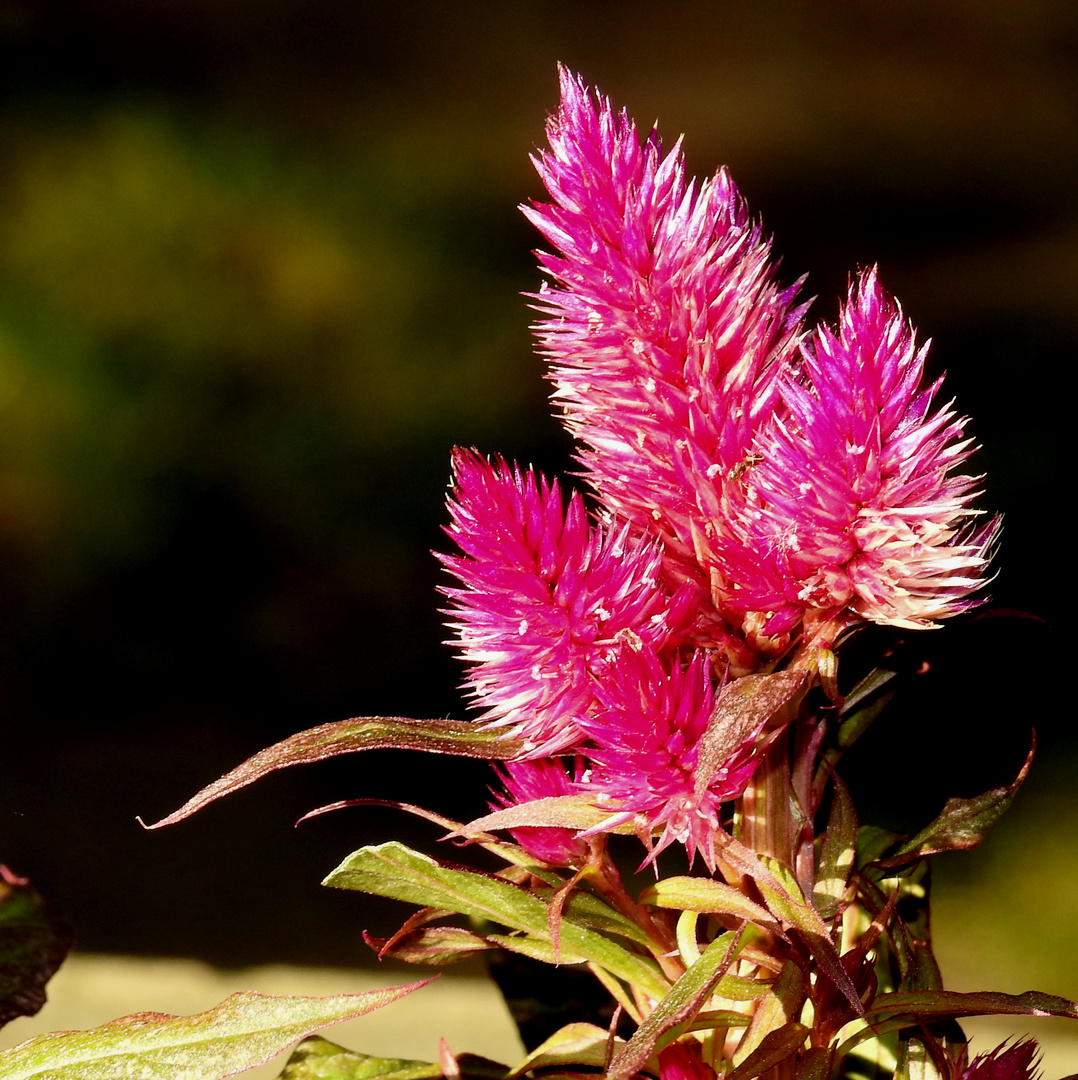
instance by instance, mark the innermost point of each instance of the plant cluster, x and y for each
(660, 662)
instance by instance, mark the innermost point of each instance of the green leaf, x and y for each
(553, 811)
(706, 895)
(783, 896)
(814, 1064)
(319, 1059)
(776, 1047)
(685, 999)
(962, 824)
(855, 699)
(460, 737)
(574, 1044)
(859, 709)
(34, 939)
(776, 1009)
(433, 945)
(709, 1019)
(245, 1030)
(940, 1004)
(396, 871)
(872, 842)
(535, 948)
(586, 909)
(838, 849)
(744, 707)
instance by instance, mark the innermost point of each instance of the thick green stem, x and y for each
(766, 821)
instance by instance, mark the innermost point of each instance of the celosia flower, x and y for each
(541, 779)
(1017, 1062)
(666, 331)
(853, 510)
(647, 736)
(816, 488)
(548, 600)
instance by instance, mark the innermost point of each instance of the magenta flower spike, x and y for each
(646, 738)
(854, 511)
(549, 600)
(665, 330)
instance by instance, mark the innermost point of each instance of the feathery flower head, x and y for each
(664, 327)
(549, 600)
(799, 485)
(647, 735)
(543, 778)
(853, 511)
(1017, 1062)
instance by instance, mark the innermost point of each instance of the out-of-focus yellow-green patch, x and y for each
(186, 302)
(1005, 918)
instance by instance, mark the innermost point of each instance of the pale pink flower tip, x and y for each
(1005, 1062)
(647, 742)
(548, 600)
(854, 510)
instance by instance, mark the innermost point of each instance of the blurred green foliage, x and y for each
(189, 300)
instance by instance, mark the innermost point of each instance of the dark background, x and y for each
(260, 267)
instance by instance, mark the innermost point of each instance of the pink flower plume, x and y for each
(665, 331)
(548, 600)
(854, 509)
(647, 736)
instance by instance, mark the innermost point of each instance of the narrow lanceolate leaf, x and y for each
(574, 1044)
(814, 1064)
(776, 1009)
(536, 948)
(685, 999)
(348, 737)
(859, 709)
(436, 945)
(396, 871)
(776, 1047)
(743, 709)
(962, 824)
(705, 895)
(943, 1004)
(319, 1059)
(783, 896)
(553, 811)
(34, 939)
(245, 1030)
(838, 849)
(588, 910)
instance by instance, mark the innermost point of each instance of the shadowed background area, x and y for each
(260, 269)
